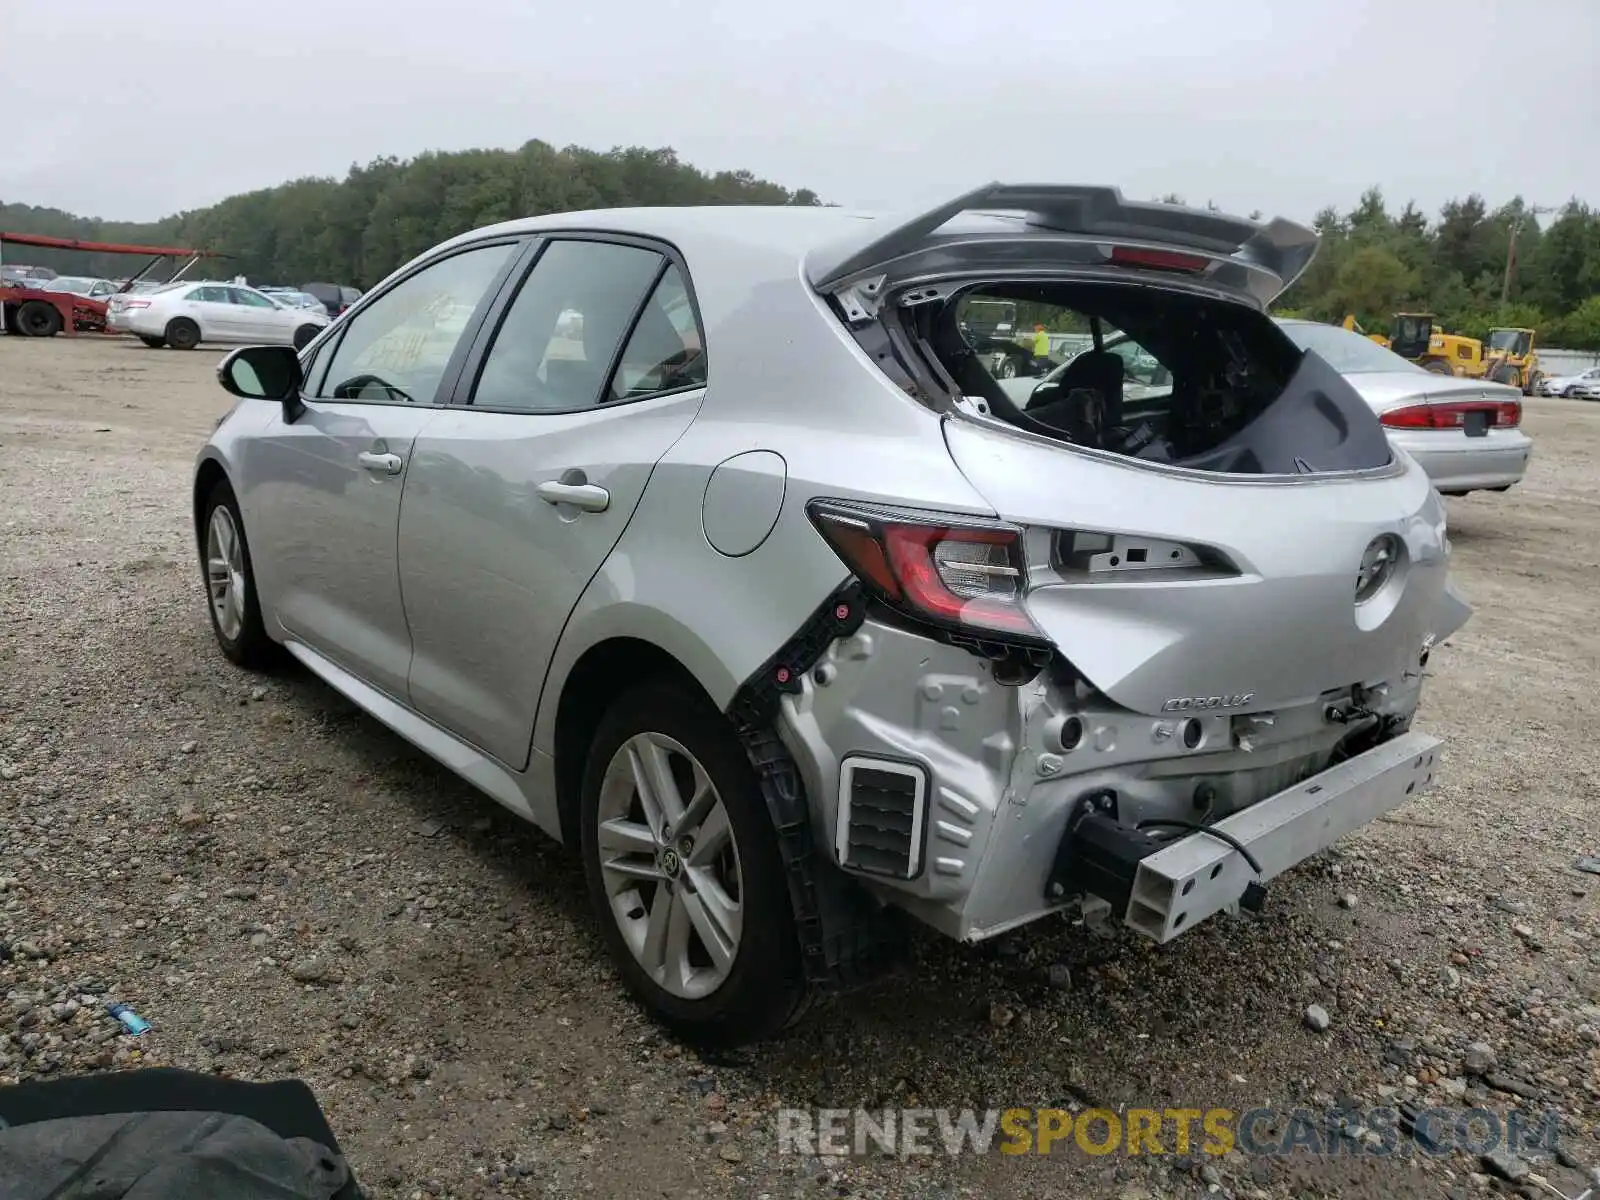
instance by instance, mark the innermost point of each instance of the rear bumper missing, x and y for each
(1171, 889)
(973, 792)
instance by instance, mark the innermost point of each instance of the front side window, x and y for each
(554, 348)
(398, 347)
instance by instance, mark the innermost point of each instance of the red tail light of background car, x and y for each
(1502, 414)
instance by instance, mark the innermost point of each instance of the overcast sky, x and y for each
(133, 109)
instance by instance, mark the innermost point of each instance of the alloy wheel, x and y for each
(671, 867)
(225, 572)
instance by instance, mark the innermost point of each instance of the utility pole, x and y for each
(1511, 250)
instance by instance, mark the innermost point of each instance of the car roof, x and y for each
(728, 248)
(793, 229)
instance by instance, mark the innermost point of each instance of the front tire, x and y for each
(304, 336)
(182, 334)
(1437, 366)
(1507, 376)
(1535, 383)
(229, 578)
(154, 343)
(684, 870)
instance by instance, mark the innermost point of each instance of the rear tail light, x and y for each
(957, 573)
(1502, 414)
(136, 304)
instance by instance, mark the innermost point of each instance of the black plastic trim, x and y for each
(847, 938)
(1098, 856)
(755, 704)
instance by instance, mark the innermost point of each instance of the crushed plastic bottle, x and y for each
(131, 1021)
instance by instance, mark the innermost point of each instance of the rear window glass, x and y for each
(1347, 352)
(1166, 376)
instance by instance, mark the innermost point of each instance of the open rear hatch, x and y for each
(1244, 538)
(1032, 227)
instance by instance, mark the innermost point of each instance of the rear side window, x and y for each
(396, 350)
(554, 348)
(665, 350)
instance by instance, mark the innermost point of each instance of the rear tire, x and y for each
(304, 336)
(154, 343)
(38, 319)
(182, 334)
(230, 582)
(651, 889)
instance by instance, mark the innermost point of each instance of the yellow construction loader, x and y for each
(1510, 359)
(1415, 336)
(1354, 326)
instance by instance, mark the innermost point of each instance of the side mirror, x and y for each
(264, 373)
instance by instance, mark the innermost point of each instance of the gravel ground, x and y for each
(283, 888)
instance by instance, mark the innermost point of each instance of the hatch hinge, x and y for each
(861, 300)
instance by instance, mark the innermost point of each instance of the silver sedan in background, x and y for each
(1466, 433)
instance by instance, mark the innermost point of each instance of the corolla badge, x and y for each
(1193, 703)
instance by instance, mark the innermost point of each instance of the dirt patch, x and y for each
(283, 888)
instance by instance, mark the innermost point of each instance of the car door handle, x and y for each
(386, 464)
(588, 496)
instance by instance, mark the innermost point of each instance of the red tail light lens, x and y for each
(1501, 414)
(953, 572)
(136, 304)
(1156, 260)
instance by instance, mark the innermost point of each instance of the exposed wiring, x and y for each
(1195, 827)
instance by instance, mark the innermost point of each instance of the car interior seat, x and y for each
(1098, 370)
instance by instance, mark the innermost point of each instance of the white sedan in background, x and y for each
(1570, 385)
(182, 315)
(81, 285)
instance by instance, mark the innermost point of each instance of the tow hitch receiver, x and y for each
(1097, 856)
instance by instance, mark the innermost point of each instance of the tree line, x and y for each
(1374, 263)
(355, 230)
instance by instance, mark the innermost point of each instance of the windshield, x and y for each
(70, 283)
(1512, 341)
(1346, 352)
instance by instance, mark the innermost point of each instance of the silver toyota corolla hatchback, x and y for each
(703, 539)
